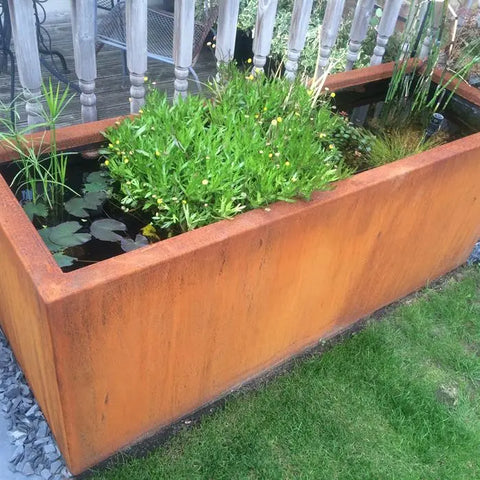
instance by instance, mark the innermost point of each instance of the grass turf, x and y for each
(399, 400)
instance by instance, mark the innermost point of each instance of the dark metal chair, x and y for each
(111, 31)
(6, 53)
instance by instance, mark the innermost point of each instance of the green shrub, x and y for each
(255, 141)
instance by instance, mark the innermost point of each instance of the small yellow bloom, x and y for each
(145, 78)
(310, 92)
(184, 202)
(258, 69)
(322, 135)
(250, 77)
(110, 145)
(140, 111)
(129, 182)
(333, 94)
(159, 201)
(130, 152)
(287, 163)
(249, 60)
(264, 109)
(294, 179)
(157, 153)
(205, 182)
(207, 157)
(279, 119)
(331, 146)
(152, 128)
(297, 114)
(257, 115)
(270, 155)
(274, 122)
(126, 160)
(117, 141)
(107, 163)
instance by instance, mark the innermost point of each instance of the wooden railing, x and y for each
(83, 29)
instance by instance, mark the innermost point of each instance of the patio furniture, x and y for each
(111, 31)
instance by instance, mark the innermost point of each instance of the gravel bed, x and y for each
(35, 450)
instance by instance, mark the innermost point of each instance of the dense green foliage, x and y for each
(400, 400)
(255, 141)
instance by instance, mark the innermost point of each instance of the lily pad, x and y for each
(105, 230)
(64, 260)
(65, 235)
(45, 234)
(78, 206)
(128, 244)
(35, 209)
(96, 182)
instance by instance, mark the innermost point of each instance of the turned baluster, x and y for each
(386, 29)
(226, 31)
(302, 10)
(184, 17)
(358, 32)
(330, 26)
(28, 60)
(136, 23)
(83, 32)
(264, 24)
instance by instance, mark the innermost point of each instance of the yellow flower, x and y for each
(130, 152)
(250, 77)
(117, 141)
(152, 128)
(140, 111)
(310, 92)
(145, 78)
(125, 160)
(287, 164)
(322, 135)
(294, 179)
(205, 182)
(106, 163)
(157, 153)
(257, 115)
(207, 157)
(249, 60)
(159, 201)
(331, 146)
(264, 109)
(333, 94)
(274, 122)
(279, 119)
(184, 202)
(110, 145)
(270, 155)
(297, 114)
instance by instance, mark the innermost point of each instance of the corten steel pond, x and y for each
(119, 349)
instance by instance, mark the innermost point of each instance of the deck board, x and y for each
(112, 87)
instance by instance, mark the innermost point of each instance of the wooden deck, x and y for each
(112, 88)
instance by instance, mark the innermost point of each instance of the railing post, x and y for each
(385, 29)
(330, 26)
(136, 22)
(358, 32)
(184, 16)
(83, 32)
(28, 60)
(262, 42)
(433, 29)
(226, 31)
(302, 10)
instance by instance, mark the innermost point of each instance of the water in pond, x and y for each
(90, 226)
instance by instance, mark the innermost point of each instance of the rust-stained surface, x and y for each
(116, 350)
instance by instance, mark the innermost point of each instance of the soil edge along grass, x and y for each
(399, 400)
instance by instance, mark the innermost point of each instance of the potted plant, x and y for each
(123, 347)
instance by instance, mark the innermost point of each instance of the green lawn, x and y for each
(400, 400)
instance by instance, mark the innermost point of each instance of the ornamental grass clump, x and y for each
(253, 142)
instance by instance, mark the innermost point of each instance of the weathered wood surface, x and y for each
(358, 31)
(184, 17)
(83, 33)
(330, 27)
(112, 88)
(237, 297)
(226, 31)
(302, 10)
(27, 57)
(264, 24)
(136, 40)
